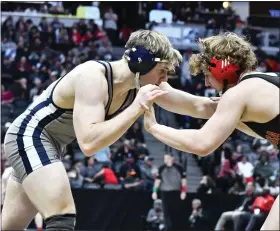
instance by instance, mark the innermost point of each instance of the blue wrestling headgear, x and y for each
(141, 61)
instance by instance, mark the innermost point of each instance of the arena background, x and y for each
(41, 41)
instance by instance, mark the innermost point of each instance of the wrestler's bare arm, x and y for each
(183, 103)
(93, 133)
(245, 129)
(217, 129)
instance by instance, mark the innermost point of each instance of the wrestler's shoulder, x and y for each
(89, 67)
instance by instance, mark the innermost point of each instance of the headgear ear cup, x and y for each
(141, 61)
(224, 70)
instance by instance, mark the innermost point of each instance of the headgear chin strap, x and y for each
(140, 62)
(137, 80)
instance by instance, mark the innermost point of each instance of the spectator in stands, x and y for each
(123, 150)
(55, 23)
(171, 177)
(36, 90)
(105, 176)
(7, 95)
(104, 48)
(130, 174)
(135, 133)
(43, 25)
(245, 169)
(148, 172)
(103, 156)
(82, 27)
(207, 185)
(140, 150)
(228, 170)
(125, 32)
(91, 168)
(155, 217)
(23, 68)
(197, 219)
(263, 168)
(110, 24)
(258, 212)
(238, 187)
(236, 215)
(76, 179)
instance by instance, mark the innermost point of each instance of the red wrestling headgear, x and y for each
(223, 70)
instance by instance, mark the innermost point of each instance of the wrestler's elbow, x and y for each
(197, 148)
(89, 146)
(90, 149)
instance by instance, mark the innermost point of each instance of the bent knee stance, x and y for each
(63, 222)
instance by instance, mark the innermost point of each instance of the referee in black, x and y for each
(172, 183)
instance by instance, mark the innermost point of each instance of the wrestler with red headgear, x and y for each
(249, 102)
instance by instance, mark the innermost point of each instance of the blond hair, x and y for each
(157, 43)
(230, 46)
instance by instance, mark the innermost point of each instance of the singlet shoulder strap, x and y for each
(275, 80)
(109, 77)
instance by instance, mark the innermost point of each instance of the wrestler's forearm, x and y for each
(184, 140)
(184, 103)
(103, 134)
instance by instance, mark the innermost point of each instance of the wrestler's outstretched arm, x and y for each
(183, 103)
(93, 133)
(205, 140)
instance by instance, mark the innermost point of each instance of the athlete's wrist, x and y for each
(138, 108)
(153, 128)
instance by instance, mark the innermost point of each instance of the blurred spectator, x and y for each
(228, 170)
(155, 217)
(90, 169)
(36, 90)
(103, 156)
(236, 215)
(23, 68)
(238, 187)
(43, 25)
(245, 169)
(148, 172)
(258, 212)
(197, 219)
(76, 179)
(263, 167)
(6, 95)
(207, 185)
(140, 150)
(125, 32)
(110, 24)
(130, 174)
(105, 176)
(135, 133)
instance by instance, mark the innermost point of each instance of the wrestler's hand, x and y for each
(149, 118)
(147, 95)
(215, 99)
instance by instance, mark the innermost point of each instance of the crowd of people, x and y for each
(34, 56)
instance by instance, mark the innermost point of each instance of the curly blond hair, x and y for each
(156, 42)
(224, 46)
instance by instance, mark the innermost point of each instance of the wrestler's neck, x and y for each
(249, 73)
(241, 77)
(123, 78)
